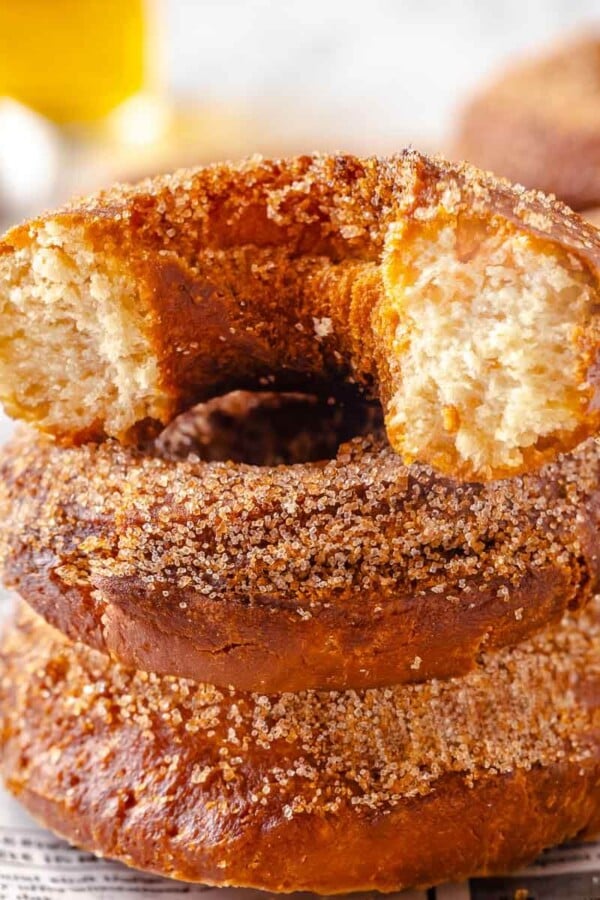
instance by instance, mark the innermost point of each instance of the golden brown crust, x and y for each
(538, 123)
(322, 792)
(355, 572)
(271, 270)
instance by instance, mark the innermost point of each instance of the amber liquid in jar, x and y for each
(72, 60)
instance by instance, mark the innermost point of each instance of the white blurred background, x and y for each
(228, 78)
(362, 71)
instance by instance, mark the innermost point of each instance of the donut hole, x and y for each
(269, 429)
(486, 362)
(65, 313)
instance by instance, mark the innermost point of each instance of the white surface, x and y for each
(383, 66)
(6, 427)
(30, 159)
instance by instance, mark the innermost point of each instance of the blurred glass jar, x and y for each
(73, 60)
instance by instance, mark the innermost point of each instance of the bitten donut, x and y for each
(351, 572)
(326, 792)
(538, 123)
(469, 308)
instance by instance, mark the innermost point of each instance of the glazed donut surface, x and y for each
(328, 792)
(351, 572)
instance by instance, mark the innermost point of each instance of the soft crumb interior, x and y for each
(485, 325)
(73, 348)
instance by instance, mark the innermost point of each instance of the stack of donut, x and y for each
(318, 633)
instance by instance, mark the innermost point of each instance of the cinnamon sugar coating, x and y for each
(352, 572)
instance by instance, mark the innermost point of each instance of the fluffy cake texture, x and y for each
(74, 319)
(485, 323)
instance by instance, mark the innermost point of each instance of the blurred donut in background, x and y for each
(538, 123)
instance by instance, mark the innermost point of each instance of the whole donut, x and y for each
(469, 308)
(538, 122)
(351, 572)
(326, 792)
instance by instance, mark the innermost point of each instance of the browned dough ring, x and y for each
(466, 306)
(349, 573)
(319, 792)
